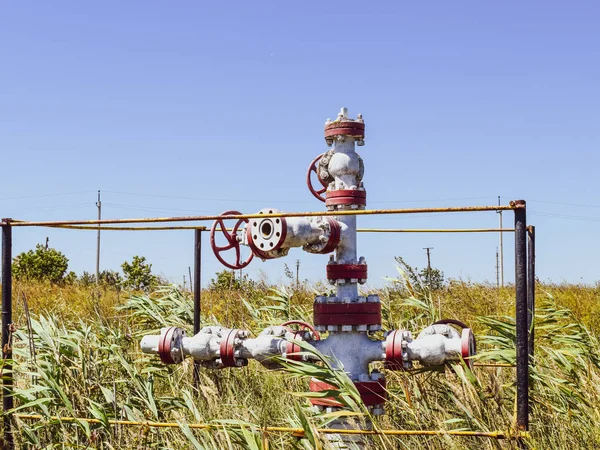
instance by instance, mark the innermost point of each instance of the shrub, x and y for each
(138, 274)
(41, 264)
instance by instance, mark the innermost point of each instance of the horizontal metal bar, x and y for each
(436, 230)
(494, 365)
(89, 227)
(511, 206)
(360, 230)
(295, 431)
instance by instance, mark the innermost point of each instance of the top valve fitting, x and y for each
(344, 126)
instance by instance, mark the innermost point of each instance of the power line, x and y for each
(565, 216)
(46, 195)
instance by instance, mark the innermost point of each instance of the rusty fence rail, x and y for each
(363, 212)
(295, 431)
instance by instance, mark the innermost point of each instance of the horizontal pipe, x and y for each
(360, 230)
(295, 431)
(494, 365)
(435, 230)
(364, 212)
(85, 227)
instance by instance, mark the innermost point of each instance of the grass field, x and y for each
(80, 358)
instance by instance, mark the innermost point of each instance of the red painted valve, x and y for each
(292, 348)
(303, 326)
(468, 343)
(232, 242)
(313, 167)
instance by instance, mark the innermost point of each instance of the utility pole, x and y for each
(297, 274)
(428, 250)
(501, 249)
(47, 242)
(497, 270)
(99, 205)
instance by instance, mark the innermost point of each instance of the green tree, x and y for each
(111, 278)
(226, 280)
(432, 279)
(138, 274)
(41, 264)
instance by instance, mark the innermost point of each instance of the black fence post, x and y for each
(197, 295)
(7, 370)
(521, 317)
(531, 290)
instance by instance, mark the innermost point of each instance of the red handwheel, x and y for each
(313, 168)
(232, 241)
(303, 326)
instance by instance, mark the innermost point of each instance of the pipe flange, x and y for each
(332, 236)
(347, 314)
(347, 272)
(229, 342)
(347, 127)
(372, 392)
(346, 197)
(292, 348)
(396, 343)
(468, 346)
(170, 349)
(266, 236)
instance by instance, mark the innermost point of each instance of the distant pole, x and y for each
(184, 282)
(99, 205)
(501, 249)
(428, 250)
(191, 279)
(47, 242)
(497, 270)
(297, 274)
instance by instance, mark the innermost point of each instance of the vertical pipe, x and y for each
(501, 249)
(521, 315)
(197, 295)
(531, 290)
(99, 205)
(7, 379)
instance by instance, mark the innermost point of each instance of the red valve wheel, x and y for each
(303, 326)
(232, 242)
(318, 194)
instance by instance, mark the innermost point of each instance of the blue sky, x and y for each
(180, 108)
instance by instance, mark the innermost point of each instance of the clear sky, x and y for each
(181, 108)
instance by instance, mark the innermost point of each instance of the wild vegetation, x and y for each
(78, 356)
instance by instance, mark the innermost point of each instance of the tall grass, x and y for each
(88, 364)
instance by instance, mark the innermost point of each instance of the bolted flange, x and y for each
(266, 236)
(228, 346)
(170, 349)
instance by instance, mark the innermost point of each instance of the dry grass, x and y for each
(89, 365)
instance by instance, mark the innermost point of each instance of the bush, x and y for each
(41, 264)
(138, 274)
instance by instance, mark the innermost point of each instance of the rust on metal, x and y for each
(347, 313)
(335, 236)
(346, 197)
(347, 271)
(371, 392)
(345, 128)
(364, 212)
